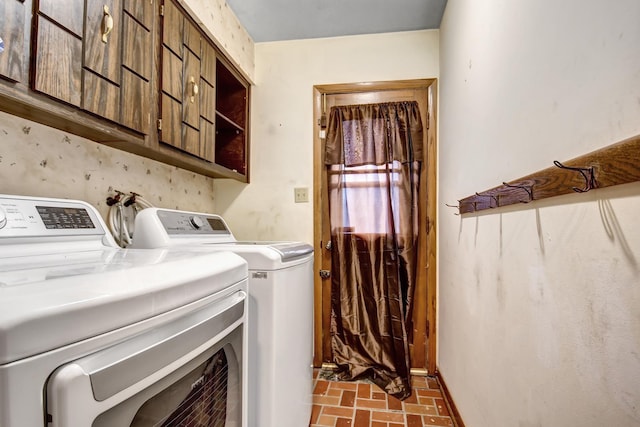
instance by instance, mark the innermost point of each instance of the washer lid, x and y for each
(288, 250)
(267, 256)
(50, 301)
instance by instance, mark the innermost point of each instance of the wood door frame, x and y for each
(428, 244)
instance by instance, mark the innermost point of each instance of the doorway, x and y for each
(422, 347)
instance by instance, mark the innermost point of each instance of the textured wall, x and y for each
(282, 121)
(36, 160)
(221, 24)
(539, 304)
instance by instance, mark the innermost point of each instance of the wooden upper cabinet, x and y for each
(204, 105)
(12, 21)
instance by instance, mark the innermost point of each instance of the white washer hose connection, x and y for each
(122, 214)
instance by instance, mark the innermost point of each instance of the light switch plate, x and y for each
(301, 195)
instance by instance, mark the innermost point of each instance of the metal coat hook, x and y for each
(529, 190)
(453, 206)
(495, 198)
(587, 174)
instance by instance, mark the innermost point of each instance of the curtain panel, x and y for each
(396, 127)
(373, 156)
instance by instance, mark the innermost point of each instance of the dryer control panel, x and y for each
(41, 217)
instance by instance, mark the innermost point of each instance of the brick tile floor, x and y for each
(361, 404)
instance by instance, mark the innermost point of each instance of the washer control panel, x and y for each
(187, 223)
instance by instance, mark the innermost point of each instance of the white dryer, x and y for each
(280, 348)
(95, 335)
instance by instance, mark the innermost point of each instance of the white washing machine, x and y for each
(280, 309)
(95, 335)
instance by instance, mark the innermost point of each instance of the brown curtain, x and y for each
(373, 158)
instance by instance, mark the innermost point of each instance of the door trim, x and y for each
(428, 244)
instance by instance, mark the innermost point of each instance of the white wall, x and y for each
(539, 304)
(282, 121)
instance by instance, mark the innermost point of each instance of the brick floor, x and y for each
(361, 404)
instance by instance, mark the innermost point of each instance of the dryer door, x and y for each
(187, 372)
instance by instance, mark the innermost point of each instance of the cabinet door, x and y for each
(58, 49)
(12, 13)
(101, 75)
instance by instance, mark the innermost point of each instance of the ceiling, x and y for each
(275, 20)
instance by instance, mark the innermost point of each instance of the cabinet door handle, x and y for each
(107, 23)
(194, 88)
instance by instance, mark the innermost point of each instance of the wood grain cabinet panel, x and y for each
(192, 38)
(207, 101)
(208, 63)
(103, 27)
(142, 11)
(172, 28)
(137, 45)
(69, 14)
(58, 62)
(171, 74)
(207, 139)
(136, 104)
(191, 88)
(12, 19)
(171, 129)
(191, 140)
(101, 97)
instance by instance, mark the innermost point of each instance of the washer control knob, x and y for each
(196, 222)
(3, 218)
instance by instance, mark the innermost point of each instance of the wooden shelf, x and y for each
(613, 165)
(226, 123)
(232, 118)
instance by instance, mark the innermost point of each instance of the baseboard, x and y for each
(453, 410)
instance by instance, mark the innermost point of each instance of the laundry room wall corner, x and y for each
(37, 160)
(282, 121)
